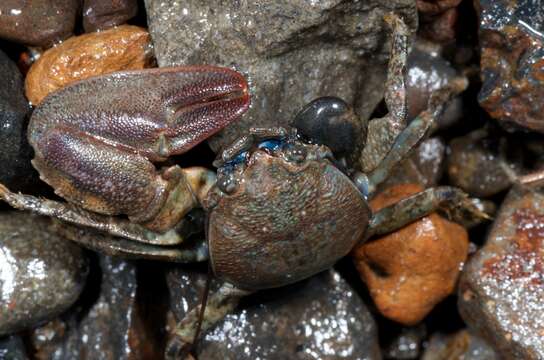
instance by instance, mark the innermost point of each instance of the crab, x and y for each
(284, 205)
(97, 143)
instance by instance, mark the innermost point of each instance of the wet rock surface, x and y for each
(37, 22)
(483, 165)
(116, 325)
(438, 18)
(512, 62)
(41, 275)
(424, 167)
(427, 72)
(123, 48)
(461, 345)
(12, 348)
(104, 14)
(15, 153)
(502, 287)
(406, 345)
(292, 52)
(297, 50)
(321, 317)
(412, 269)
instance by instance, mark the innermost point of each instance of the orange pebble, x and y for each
(126, 47)
(412, 269)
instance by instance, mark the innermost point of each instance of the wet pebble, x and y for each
(41, 274)
(502, 286)
(113, 321)
(438, 19)
(12, 348)
(292, 51)
(318, 318)
(104, 14)
(126, 47)
(512, 62)
(427, 72)
(406, 345)
(424, 167)
(15, 153)
(460, 345)
(412, 269)
(483, 165)
(37, 22)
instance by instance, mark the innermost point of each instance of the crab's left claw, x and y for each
(156, 112)
(95, 141)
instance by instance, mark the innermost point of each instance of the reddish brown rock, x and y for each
(409, 271)
(512, 62)
(123, 48)
(37, 22)
(104, 14)
(501, 290)
(438, 18)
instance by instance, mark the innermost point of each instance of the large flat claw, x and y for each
(95, 140)
(157, 112)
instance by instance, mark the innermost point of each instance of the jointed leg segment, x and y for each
(78, 216)
(218, 306)
(410, 137)
(453, 201)
(383, 131)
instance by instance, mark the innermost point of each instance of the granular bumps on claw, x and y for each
(410, 270)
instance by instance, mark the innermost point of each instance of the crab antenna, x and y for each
(203, 302)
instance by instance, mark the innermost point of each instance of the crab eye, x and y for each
(329, 121)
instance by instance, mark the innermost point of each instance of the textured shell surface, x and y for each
(285, 222)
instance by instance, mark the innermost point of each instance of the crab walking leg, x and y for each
(382, 132)
(117, 246)
(219, 304)
(407, 140)
(395, 85)
(453, 201)
(78, 216)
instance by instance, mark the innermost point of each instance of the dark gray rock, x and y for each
(38, 22)
(15, 153)
(12, 348)
(41, 274)
(461, 345)
(113, 326)
(502, 286)
(319, 318)
(428, 72)
(291, 51)
(424, 167)
(104, 14)
(407, 345)
(482, 164)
